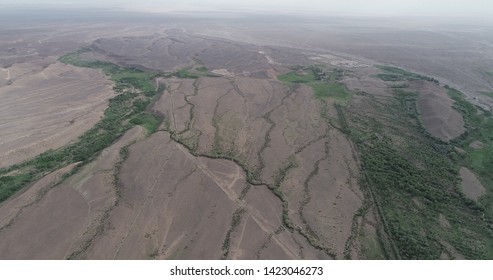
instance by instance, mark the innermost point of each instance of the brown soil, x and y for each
(364, 81)
(437, 112)
(193, 200)
(471, 186)
(476, 144)
(78, 205)
(266, 125)
(442, 220)
(334, 196)
(10, 209)
(177, 206)
(49, 108)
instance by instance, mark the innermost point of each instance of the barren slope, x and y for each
(30, 223)
(177, 206)
(471, 186)
(48, 108)
(243, 166)
(437, 112)
(279, 135)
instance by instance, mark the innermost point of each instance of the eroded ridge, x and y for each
(267, 128)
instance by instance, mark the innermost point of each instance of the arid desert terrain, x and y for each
(245, 137)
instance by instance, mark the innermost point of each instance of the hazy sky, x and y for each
(456, 8)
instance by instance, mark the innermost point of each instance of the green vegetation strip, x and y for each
(200, 71)
(394, 74)
(235, 222)
(135, 91)
(479, 127)
(414, 178)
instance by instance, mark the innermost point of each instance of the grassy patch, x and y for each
(332, 90)
(399, 86)
(149, 121)
(300, 76)
(9, 184)
(190, 73)
(202, 69)
(324, 83)
(135, 78)
(371, 249)
(395, 74)
(479, 127)
(391, 77)
(479, 123)
(335, 75)
(135, 90)
(185, 74)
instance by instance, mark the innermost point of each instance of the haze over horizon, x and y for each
(433, 8)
